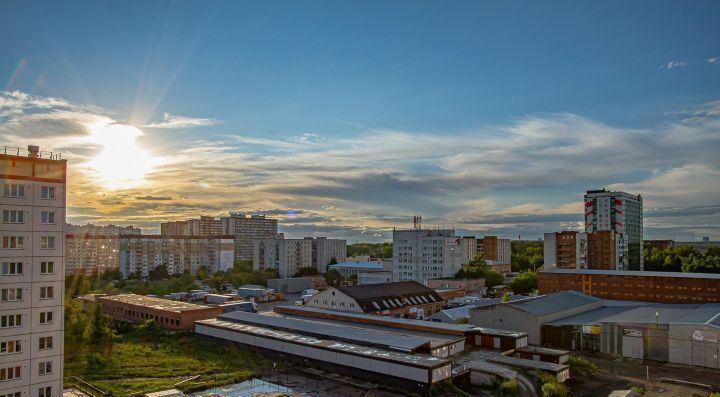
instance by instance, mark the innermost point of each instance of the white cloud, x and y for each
(673, 64)
(173, 121)
(714, 60)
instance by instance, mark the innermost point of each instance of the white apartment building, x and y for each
(287, 256)
(421, 254)
(93, 249)
(139, 254)
(31, 272)
(622, 213)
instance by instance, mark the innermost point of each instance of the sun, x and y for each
(120, 163)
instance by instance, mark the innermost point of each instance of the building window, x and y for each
(13, 216)
(11, 294)
(45, 391)
(11, 190)
(16, 394)
(13, 242)
(47, 267)
(10, 347)
(12, 268)
(11, 320)
(48, 193)
(47, 292)
(10, 373)
(45, 343)
(47, 217)
(44, 367)
(46, 317)
(47, 242)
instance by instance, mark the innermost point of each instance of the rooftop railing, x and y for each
(15, 151)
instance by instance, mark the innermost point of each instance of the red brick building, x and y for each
(168, 314)
(660, 287)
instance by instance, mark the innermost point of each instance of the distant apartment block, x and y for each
(245, 229)
(421, 254)
(92, 249)
(621, 213)
(469, 247)
(326, 250)
(205, 226)
(32, 272)
(497, 253)
(287, 256)
(139, 254)
(565, 250)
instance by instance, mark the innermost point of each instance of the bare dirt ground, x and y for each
(622, 374)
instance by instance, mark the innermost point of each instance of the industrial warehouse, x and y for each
(281, 336)
(675, 333)
(412, 353)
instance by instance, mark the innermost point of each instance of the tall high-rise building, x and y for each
(93, 249)
(325, 250)
(421, 254)
(249, 228)
(32, 272)
(621, 213)
(565, 250)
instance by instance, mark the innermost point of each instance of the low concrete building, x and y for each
(347, 269)
(294, 285)
(408, 299)
(676, 333)
(374, 278)
(528, 315)
(465, 284)
(168, 314)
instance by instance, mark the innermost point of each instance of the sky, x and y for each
(344, 119)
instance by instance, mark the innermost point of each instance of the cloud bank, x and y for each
(522, 178)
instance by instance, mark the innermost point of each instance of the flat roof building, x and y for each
(168, 314)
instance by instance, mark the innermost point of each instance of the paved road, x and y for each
(526, 388)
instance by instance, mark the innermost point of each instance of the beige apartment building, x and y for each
(92, 249)
(31, 272)
(140, 254)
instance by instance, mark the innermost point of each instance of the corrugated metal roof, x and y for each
(552, 303)
(697, 314)
(342, 332)
(363, 265)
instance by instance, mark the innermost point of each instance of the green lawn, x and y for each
(137, 364)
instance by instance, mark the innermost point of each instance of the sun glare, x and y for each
(120, 163)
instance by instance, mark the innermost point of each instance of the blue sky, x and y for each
(490, 116)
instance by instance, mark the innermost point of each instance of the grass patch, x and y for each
(582, 366)
(140, 363)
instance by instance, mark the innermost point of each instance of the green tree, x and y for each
(160, 272)
(333, 277)
(526, 255)
(201, 272)
(306, 271)
(333, 261)
(525, 283)
(477, 268)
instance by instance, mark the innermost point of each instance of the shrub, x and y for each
(638, 389)
(554, 389)
(509, 387)
(582, 365)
